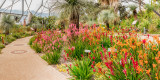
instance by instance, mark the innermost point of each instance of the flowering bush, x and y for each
(49, 42)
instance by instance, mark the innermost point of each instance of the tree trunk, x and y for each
(107, 24)
(74, 19)
(135, 14)
(35, 30)
(7, 32)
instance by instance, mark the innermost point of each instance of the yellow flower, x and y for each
(98, 65)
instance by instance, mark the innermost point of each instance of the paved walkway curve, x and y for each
(19, 62)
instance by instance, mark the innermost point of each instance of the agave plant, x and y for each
(6, 23)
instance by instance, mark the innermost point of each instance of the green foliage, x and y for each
(52, 58)
(6, 23)
(16, 35)
(132, 7)
(31, 40)
(149, 8)
(145, 24)
(107, 16)
(82, 71)
(79, 50)
(158, 26)
(37, 48)
(2, 46)
(9, 39)
(123, 12)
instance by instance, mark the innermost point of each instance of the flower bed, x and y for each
(101, 54)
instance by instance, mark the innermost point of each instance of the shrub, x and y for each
(16, 35)
(2, 46)
(158, 26)
(52, 58)
(81, 70)
(31, 40)
(9, 38)
(37, 48)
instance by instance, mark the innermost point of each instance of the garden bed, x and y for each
(109, 56)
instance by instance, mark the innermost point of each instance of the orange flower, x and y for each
(141, 62)
(148, 71)
(156, 58)
(140, 52)
(139, 44)
(156, 76)
(158, 61)
(139, 69)
(146, 62)
(154, 47)
(154, 65)
(159, 54)
(133, 47)
(145, 55)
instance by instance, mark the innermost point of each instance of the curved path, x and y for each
(19, 62)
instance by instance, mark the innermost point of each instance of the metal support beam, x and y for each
(39, 7)
(2, 4)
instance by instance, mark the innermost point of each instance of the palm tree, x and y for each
(73, 9)
(107, 16)
(6, 23)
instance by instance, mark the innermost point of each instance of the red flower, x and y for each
(109, 54)
(144, 41)
(67, 55)
(93, 58)
(92, 66)
(82, 55)
(93, 62)
(94, 70)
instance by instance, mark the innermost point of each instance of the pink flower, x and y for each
(73, 48)
(64, 38)
(53, 47)
(124, 71)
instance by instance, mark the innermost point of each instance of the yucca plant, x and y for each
(107, 16)
(6, 23)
